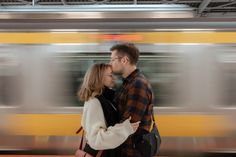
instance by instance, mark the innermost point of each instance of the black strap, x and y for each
(82, 137)
(78, 131)
(153, 119)
(87, 148)
(81, 141)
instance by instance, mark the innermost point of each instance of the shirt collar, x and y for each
(131, 76)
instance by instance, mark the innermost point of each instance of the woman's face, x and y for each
(108, 78)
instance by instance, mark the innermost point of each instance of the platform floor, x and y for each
(43, 156)
(37, 156)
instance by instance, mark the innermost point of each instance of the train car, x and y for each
(190, 64)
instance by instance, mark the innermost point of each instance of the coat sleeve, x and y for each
(98, 135)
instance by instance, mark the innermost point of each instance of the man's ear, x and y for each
(125, 59)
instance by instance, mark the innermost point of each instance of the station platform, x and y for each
(43, 156)
(37, 156)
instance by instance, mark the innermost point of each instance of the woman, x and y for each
(100, 117)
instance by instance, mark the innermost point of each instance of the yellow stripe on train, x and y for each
(67, 124)
(137, 37)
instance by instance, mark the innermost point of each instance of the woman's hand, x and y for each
(134, 125)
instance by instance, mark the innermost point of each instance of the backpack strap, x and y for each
(82, 137)
(99, 153)
(78, 131)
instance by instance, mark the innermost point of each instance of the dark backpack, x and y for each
(149, 143)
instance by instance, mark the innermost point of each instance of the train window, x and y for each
(228, 75)
(75, 67)
(162, 72)
(9, 93)
(160, 69)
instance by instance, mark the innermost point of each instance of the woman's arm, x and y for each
(98, 135)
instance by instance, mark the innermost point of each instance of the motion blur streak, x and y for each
(193, 74)
(138, 37)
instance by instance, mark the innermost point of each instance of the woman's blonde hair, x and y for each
(93, 82)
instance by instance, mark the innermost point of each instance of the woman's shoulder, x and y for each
(92, 102)
(93, 105)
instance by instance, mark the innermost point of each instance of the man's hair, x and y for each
(92, 83)
(127, 49)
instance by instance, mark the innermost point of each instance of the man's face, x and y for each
(117, 66)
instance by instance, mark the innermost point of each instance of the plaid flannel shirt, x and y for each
(134, 98)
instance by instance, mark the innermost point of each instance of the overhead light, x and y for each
(105, 11)
(95, 8)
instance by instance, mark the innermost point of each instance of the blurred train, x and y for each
(191, 65)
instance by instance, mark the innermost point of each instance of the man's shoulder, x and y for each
(141, 82)
(141, 79)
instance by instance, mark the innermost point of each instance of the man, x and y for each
(135, 97)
